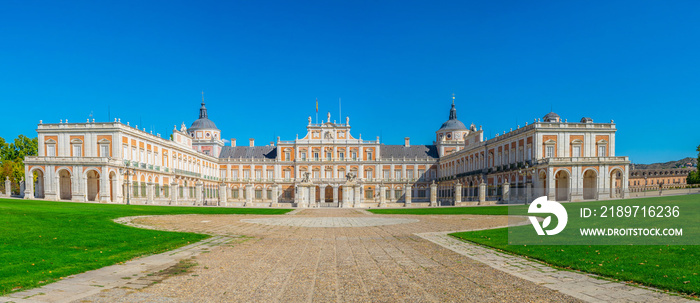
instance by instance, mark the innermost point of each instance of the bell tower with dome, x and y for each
(450, 137)
(206, 137)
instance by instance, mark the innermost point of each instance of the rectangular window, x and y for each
(270, 175)
(550, 151)
(369, 193)
(303, 156)
(328, 156)
(317, 174)
(576, 151)
(157, 190)
(258, 174)
(369, 174)
(601, 151)
(354, 155)
(316, 156)
(142, 156)
(369, 155)
(234, 174)
(125, 152)
(421, 193)
(529, 152)
(246, 174)
(286, 174)
(134, 154)
(409, 174)
(269, 194)
(223, 174)
(329, 174)
(77, 151)
(135, 186)
(51, 150)
(235, 193)
(287, 156)
(398, 193)
(397, 174)
(387, 174)
(342, 156)
(387, 194)
(258, 194)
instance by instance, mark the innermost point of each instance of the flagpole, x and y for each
(340, 111)
(316, 110)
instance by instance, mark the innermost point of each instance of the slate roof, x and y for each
(411, 152)
(247, 152)
(452, 123)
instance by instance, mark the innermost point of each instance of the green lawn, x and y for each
(672, 267)
(42, 241)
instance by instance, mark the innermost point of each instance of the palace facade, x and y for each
(329, 166)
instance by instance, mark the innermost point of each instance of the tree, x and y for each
(694, 176)
(12, 157)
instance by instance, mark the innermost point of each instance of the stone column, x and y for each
(312, 196)
(104, 186)
(346, 196)
(248, 195)
(358, 196)
(382, 196)
(433, 194)
(198, 198)
(458, 193)
(149, 192)
(174, 193)
(506, 192)
(551, 185)
(528, 193)
(482, 192)
(29, 188)
(275, 195)
(223, 194)
(22, 187)
(335, 193)
(408, 195)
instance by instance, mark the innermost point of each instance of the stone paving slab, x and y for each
(587, 287)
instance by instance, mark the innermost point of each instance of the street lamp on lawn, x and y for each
(127, 173)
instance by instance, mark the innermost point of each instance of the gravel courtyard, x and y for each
(331, 255)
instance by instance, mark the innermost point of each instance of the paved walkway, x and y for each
(336, 255)
(582, 286)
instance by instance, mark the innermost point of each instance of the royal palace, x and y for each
(327, 167)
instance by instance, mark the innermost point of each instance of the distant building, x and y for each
(328, 166)
(655, 178)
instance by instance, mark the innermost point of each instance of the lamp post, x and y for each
(528, 173)
(127, 173)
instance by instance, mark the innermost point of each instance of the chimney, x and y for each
(233, 142)
(272, 143)
(406, 142)
(252, 142)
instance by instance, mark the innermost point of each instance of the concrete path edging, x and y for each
(584, 286)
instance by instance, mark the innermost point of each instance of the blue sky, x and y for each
(395, 64)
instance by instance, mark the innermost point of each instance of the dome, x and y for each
(203, 122)
(551, 117)
(452, 123)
